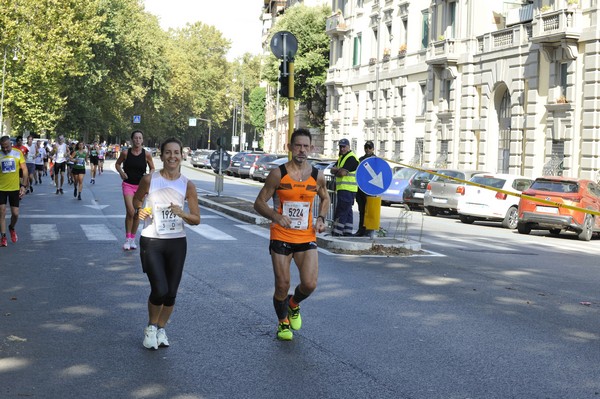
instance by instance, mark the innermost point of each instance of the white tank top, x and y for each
(163, 192)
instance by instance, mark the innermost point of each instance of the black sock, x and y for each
(299, 296)
(281, 308)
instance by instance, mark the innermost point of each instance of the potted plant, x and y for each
(402, 49)
(561, 99)
(441, 37)
(545, 8)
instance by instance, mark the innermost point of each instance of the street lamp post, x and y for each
(209, 128)
(2, 96)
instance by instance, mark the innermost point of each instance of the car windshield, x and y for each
(404, 174)
(489, 181)
(555, 186)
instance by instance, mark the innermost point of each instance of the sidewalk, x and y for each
(385, 246)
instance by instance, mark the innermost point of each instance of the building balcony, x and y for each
(560, 28)
(336, 25)
(554, 27)
(443, 52)
(334, 76)
(505, 38)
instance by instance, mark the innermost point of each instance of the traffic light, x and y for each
(284, 79)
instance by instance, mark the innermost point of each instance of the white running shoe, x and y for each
(150, 341)
(132, 244)
(127, 245)
(161, 338)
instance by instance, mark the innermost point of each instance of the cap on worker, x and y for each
(344, 142)
(369, 144)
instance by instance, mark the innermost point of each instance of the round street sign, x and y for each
(373, 175)
(217, 160)
(277, 44)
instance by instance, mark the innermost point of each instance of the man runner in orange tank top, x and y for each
(293, 187)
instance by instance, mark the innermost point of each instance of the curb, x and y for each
(228, 210)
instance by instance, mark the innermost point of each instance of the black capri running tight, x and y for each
(162, 261)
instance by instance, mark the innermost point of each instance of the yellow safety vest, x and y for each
(347, 182)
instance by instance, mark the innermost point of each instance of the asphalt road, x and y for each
(486, 313)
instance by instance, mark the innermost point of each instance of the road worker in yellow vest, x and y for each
(346, 188)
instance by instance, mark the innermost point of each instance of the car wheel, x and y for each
(588, 228)
(555, 232)
(466, 219)
(523, 228)
(431, 211)
(511, 219)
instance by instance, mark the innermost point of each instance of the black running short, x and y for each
(60, 167)
(94, 160)
(12, 197)
(286, 248)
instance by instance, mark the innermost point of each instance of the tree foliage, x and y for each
(311, 62)
(257, 106)
(85, 68)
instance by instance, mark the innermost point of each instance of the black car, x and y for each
(234, 167)
(415, 190)
(261, 164)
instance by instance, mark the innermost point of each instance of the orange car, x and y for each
(562, 190)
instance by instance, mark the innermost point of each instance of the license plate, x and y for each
(419, 195)
(439, 200)
(546, 209)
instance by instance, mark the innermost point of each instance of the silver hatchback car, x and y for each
(443, 193)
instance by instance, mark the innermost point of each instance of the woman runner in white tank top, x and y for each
(163, 243)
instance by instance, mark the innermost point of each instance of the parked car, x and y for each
(554, 217)
(416, 187)
(442, 193)
(478, 203)
(326, 166)
(395, 192)
(152, 150)
(266, 169)
(261, 163)
(201, 158)
(248, 164)
(234, 166)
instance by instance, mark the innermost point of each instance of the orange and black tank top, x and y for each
(295, 199)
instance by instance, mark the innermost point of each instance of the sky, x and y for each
(238, 20)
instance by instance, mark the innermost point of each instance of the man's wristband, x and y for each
(322, 217)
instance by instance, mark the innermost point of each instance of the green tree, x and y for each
(257, 107)
(311, 62)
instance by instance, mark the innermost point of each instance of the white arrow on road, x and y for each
(96, 206)
(377, 179)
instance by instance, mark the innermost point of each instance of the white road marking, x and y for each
(44, 232)
(211, 233)
(98, 232)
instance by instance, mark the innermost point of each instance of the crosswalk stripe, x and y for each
(211, 233)
(262, 232)
(44, 232)
(98, 232)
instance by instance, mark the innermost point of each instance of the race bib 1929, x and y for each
(165, 221)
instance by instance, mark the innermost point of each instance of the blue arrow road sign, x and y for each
(373, 176)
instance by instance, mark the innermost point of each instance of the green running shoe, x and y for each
(283, 332)
(295, 318)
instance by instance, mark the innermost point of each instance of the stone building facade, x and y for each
(503, 86)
